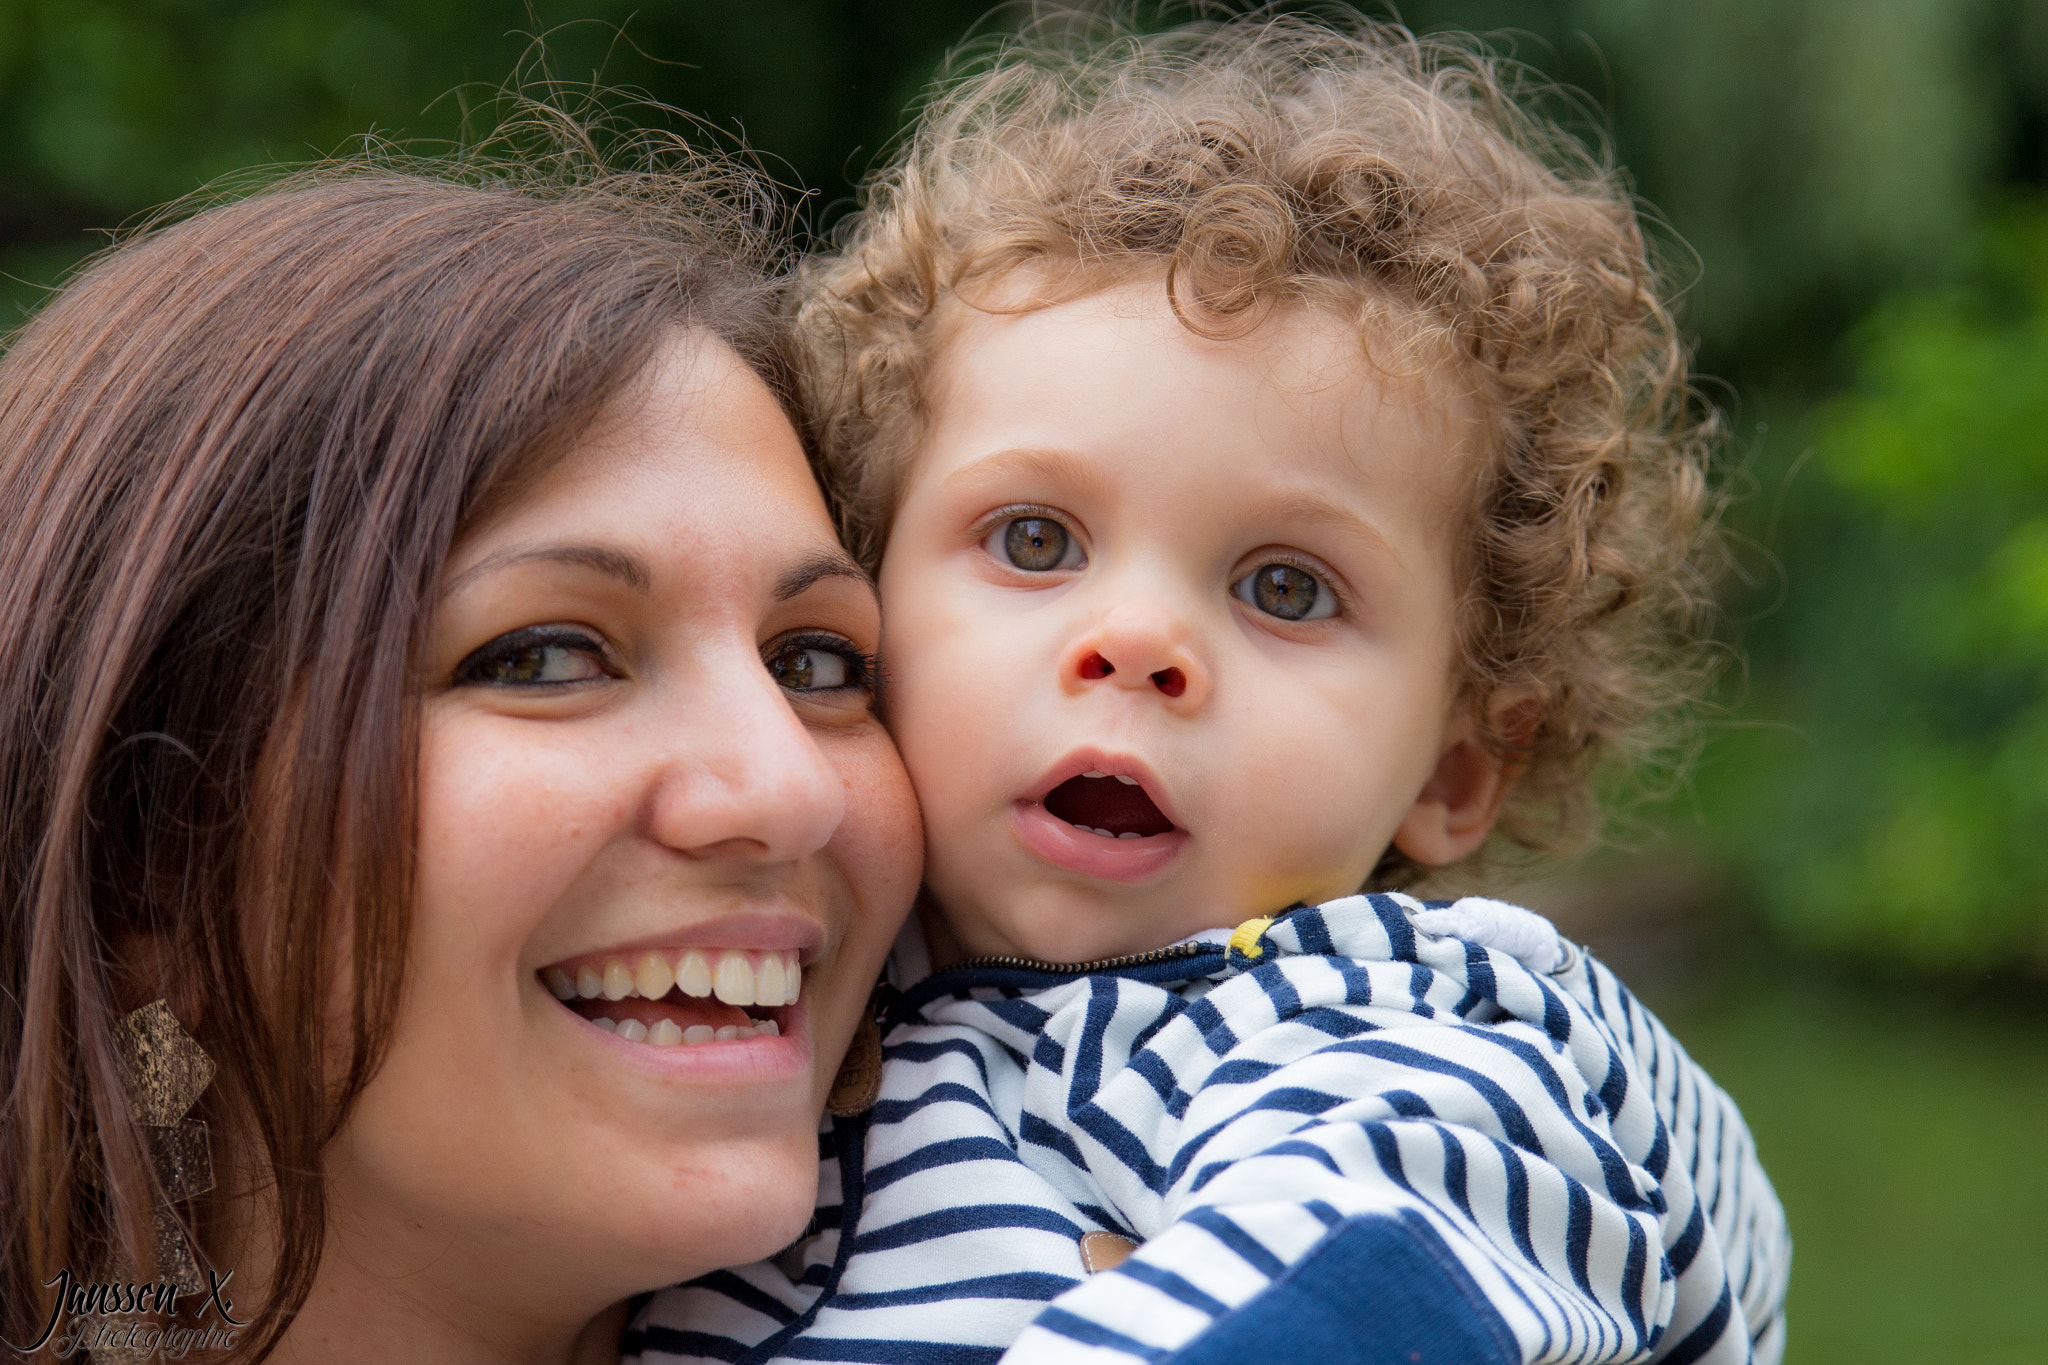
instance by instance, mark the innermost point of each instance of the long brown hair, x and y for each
(233, 456)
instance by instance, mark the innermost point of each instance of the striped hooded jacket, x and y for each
(1354, 1133)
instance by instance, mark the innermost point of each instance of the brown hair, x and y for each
(234, 454)
(1395, 181)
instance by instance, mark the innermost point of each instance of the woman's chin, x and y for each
(729, 1203)
(558, 1237)
(597, 1166)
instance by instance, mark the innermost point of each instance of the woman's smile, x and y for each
(666, 997)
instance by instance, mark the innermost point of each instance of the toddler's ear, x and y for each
(1457, 806)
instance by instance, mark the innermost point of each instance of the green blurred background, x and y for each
(1841, 907)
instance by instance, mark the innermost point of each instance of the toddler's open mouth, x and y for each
(680, 997)
(1115, 807)
(1097, 816)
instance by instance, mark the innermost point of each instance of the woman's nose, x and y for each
(745, 777)
(1139, 647)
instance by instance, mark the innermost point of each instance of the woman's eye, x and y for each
(536, 657)
(1286, 592)
(820, 664)
(1034, 544)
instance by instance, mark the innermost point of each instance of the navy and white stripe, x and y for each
(1355, 1142)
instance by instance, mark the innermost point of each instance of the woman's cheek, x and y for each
(505, 811)
(880, 844)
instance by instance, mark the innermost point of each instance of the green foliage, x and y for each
(111, 107)
(1901, 1132)
(1811, 156)
(1901, 816)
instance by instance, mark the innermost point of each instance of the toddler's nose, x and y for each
(1169, 680)
(1141, 652)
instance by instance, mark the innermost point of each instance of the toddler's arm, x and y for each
(1439, 1156)
(1712, 1144)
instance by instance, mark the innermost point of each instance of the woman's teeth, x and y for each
(666, 1034)
(733, 977)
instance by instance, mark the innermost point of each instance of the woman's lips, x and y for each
(681, 997)
(666, 1024)
(732, 975)
(1091, 854)
(667, 1039)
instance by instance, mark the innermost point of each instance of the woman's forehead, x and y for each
(697, 450)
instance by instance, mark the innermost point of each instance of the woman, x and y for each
(424, 639)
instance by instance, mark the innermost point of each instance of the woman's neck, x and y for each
(360, 1311)
(406, 1295)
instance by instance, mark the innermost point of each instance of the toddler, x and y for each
(1278, 463)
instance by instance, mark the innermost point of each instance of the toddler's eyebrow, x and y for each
(1073, 471)
(1298, 509)
(1049, 463)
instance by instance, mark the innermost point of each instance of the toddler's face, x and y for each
(1169, 624)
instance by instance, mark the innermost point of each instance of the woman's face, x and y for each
(648, 743)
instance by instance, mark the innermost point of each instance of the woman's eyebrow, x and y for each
(814, 568)
(627, 568)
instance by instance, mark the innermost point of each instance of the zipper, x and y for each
(1100, 964)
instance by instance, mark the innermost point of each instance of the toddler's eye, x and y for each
(537, 656)
(1286, 592)
(1034, 544)
(819, 663)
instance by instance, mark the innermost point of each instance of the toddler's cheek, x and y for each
(1320, 839)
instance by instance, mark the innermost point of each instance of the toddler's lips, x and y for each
(1130, 858)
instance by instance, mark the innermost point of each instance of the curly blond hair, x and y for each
(1403, 184)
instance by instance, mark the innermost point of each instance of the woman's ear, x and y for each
(145, 968)
(1458, 805)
